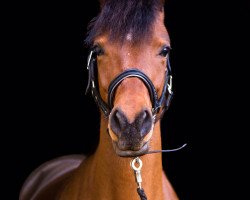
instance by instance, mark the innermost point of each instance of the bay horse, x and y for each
(131, 82)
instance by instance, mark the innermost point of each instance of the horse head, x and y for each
(129, 72)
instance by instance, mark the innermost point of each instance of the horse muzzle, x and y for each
(130, 138)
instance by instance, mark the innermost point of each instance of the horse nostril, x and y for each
(118, 121)
(145, 115)
(144, 122)
(131, 133)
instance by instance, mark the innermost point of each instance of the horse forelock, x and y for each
(120, 18)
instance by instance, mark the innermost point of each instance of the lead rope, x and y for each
(138, 178)
(137, 170)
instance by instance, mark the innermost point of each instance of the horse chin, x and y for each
(130, 153)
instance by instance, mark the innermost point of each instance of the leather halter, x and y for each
(157, 103)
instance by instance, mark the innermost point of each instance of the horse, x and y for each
(129, 77)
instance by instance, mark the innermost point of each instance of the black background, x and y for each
(50, 115)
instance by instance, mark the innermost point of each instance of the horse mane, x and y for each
(121, 17)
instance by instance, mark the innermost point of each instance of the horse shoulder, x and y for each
(168, 191)
(45, 181)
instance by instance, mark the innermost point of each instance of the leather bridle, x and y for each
(157, 103)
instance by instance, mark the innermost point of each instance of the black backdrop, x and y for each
(53, 117)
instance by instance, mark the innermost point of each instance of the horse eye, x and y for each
(98, 50)
(164, 51)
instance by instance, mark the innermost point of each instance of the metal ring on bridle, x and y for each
(136, 160)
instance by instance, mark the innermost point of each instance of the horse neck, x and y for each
(114, 175)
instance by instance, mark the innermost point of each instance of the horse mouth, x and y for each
(131, 153)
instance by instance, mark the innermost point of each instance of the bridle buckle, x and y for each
(170, 85)
(89, 59)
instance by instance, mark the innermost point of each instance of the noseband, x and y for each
(157, 103)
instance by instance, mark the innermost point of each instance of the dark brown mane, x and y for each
(120, 17)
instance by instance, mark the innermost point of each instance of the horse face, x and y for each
(131, 122)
